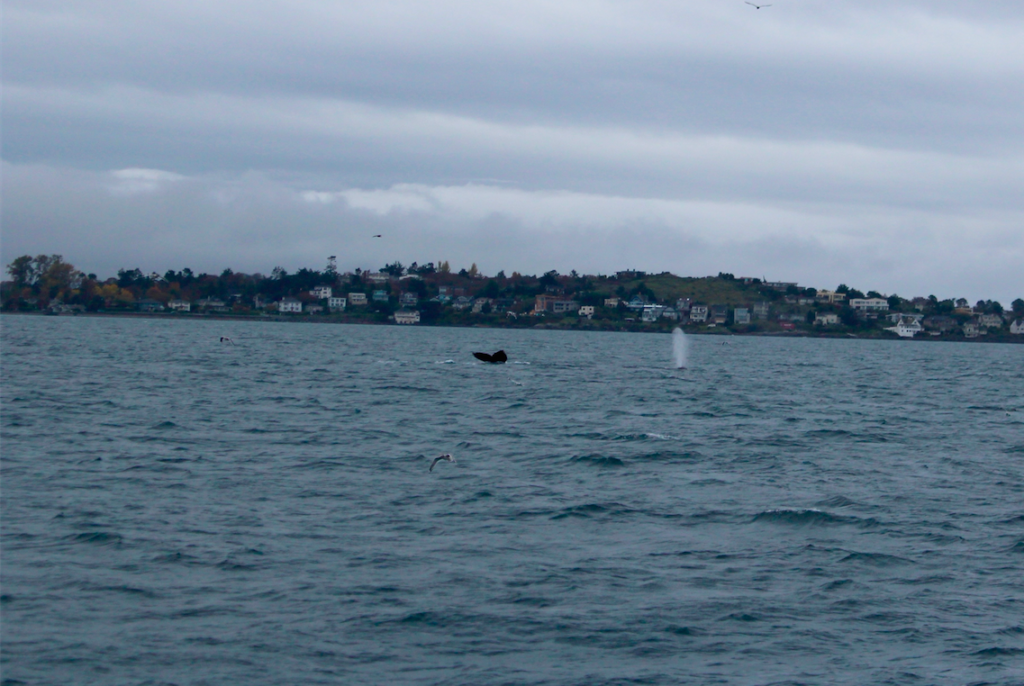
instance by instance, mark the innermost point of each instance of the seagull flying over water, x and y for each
(757, 7)
(447, 457)
(376, 235)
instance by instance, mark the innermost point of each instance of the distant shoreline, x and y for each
(308, 319)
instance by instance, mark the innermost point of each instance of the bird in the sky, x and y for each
(376, 235)
(757, 7)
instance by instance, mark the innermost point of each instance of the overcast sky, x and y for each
(874, 143)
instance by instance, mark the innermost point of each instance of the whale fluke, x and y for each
(497, 358)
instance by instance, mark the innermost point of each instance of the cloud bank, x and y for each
(877, 144)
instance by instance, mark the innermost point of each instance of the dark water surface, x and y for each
(797, 511)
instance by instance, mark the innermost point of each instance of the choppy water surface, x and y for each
(784, 511)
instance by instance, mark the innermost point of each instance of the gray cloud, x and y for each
(877, 141)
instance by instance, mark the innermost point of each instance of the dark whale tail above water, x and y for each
(497, 358)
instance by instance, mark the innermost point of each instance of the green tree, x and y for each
(22, 271)
(1018, 306)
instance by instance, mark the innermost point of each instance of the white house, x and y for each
(651, 312)
(698, 313)
(1017, 327)
(826, 319)
(289, 305)
(906, 327)
(336, 304)
(321, 292)
(407, 317)
(990, 321)
(869, 304)
(180, 305)
(586, 311)
(741, 315)
(611, 302)
(408, 299)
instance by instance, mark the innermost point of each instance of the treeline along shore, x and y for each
(434, 294)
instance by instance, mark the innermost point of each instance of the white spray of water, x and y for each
(679, 348)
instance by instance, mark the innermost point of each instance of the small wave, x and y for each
(998, 651)
(592, 509)
(742, 617)
(810, 517)
(598, 460)
(445, 362)
(165, 425)
(231, 566)
(877, 559)
(1018, 547)
(836, 501)
(98, 537)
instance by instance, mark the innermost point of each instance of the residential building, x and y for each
(215, 304)
(971, 330)
(940, 323)
(557, 304)
(289, 305)
(321, 292)
(629, 275)
(869, 304)
(651, 313)
(719, 314)
(336, 304)
(180, 305)
(895, 317)
(637, 303)
(761, 309)
(380, 296)
(670, 313)
(462, 302)
(355, 299)
(408, 299)
(407, 317)
(314, 309)
(1017, 327)
(920, 303)
(780, 285)
(480, 303)
(149, 305)
(906, 327)
(586, 311)
(376, 277)
(741, 315)
(611, 302)
(698, 313)
(826, 319)
(830, 297)
(990, 321)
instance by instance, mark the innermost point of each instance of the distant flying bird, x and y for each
(756, 7)
(376, 235)
(447, 457)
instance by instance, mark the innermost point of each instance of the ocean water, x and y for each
(783, 511)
